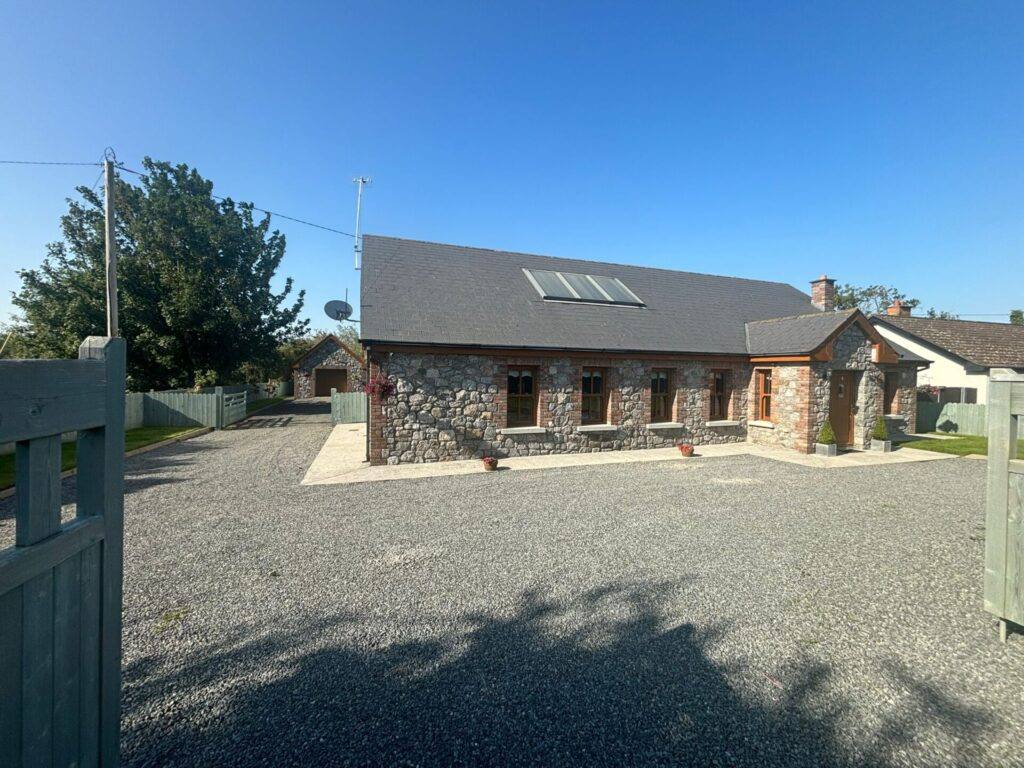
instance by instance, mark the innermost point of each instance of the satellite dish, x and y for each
(338, 310)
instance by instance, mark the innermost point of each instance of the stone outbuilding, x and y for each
(329, 364)
(473, 352)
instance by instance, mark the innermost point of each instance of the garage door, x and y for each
(328, 378)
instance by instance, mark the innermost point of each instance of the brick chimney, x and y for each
(823, 293)
(898, 309)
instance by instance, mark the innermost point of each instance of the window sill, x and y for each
(896, 416)
(596, 428)
(722, 423)
(523, 431)
(761, 424)
(666, 425)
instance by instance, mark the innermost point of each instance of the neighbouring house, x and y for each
(476, 352)
(960, 352)
(329, 364)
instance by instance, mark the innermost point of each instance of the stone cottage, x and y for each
(476, 352)
(329, 364)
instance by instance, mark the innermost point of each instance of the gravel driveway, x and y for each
(729, 611)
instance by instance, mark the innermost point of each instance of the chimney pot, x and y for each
(823, 293)
(898, 309)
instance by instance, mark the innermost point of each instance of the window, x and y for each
(522, 397)
(764, 395)
(719, 395)
(892, 387)
(588, 289)
(662, 395)
(594, 389)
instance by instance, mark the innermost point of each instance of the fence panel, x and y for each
(348, 407)
(1004, 502)
(60, 585)
(181, 409)
(960, 418)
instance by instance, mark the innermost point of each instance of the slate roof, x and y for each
(988, 345)
(430, 293)
(794, 335)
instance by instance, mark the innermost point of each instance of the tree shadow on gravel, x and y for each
(605, 679)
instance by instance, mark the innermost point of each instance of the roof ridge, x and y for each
(591, 261)
(883, 316)
(820, 313)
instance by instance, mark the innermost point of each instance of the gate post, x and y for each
(100, 485)
(1004, 501)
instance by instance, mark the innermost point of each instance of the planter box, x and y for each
(884, 446)
(824, 449)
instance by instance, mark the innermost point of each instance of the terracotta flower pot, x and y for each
(490, 463)
(686, 450)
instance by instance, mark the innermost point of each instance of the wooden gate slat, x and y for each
(89, 673)
(37, 478)
(67, 634)
(10, 677)
(37, 671)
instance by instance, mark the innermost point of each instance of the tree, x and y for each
(1017, 316)
(870, 299)
(941, 314)
(194, 280)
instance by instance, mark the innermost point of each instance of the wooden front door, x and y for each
(840, 408)
(327, 378)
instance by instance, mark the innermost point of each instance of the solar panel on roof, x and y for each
(584, 287)
(551, 285)
(590, 289)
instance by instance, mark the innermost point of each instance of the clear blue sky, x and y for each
(879, 142)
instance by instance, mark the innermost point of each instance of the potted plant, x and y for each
(826, 445)
(490, 463)
(880, 436)
(686, 450)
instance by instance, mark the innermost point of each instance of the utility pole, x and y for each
(111, 250)
(361, 181)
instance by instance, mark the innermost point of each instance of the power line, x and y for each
(263, 210)
(40, 162)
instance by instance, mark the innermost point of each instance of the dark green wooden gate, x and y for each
(60, 585)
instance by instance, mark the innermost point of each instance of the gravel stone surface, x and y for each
(732, 611)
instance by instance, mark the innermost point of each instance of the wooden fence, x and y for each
(1004, 503)
(60, 585)
(961, 418)
(215, 407)
(348, 407)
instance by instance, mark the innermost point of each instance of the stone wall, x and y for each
(330, 354)
(801, 394)
(790, 397)
(454, 407)
(905, 419)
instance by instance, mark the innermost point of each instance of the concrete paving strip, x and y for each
(340, 461)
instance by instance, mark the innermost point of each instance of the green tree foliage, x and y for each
(881, 430)
(827, 435)
(875, 299)
(1017, 316)
(870, 299)
(194, 280)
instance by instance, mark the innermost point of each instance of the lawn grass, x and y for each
(133, 438)
(960, 445)
(259, 405)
